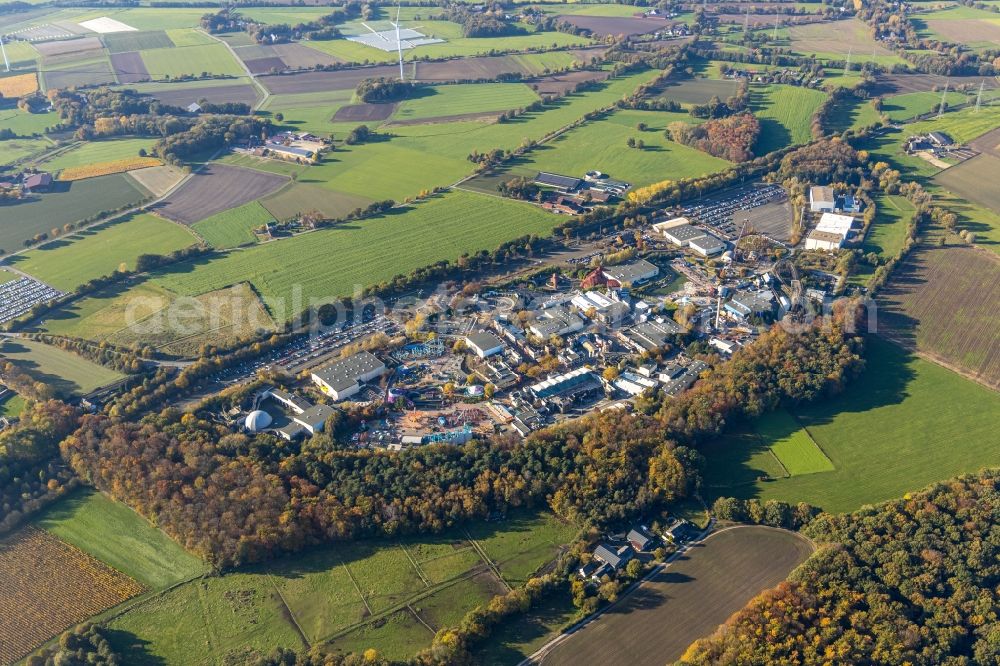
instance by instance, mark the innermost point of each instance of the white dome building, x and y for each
(257, 420)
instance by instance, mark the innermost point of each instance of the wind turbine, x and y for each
(2, 49)
(399, 44)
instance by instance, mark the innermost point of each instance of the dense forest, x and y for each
(912, 581)
(31, 472)
(232, 498)
(731, 138)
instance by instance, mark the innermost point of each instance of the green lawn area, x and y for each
(233, 227)
(71, 261)
(329, 591)
(904, 107)
(67, 373)
(94, 152)
(211, 58)
(886, 234)
(12, 407)
(443, 227)
(66, 203)
(853, 113)
(15, 149)
(452, 100)
(25, 124)
(905, 424)
(601, 145)
(785, 114)
(791, 444)
(120, 538)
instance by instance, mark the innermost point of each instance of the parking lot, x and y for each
(764, 206)
(20, 295)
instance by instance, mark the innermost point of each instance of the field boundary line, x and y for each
(489, 562)
(253, 79)
(357, 587)
(343, 631)
(420, 619)
(815, 442)
(291, 615)
(415, 567)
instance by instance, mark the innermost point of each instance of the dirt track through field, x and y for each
(654, 624)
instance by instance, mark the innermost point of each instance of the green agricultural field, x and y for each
(453, 100)
(698, 91)
(94, 152)
(183, 37)
(464, 46)
(17, 149)
(120, 538)
(233, 227)
(351, 51)
(443, 227)
(785, 114)
(887, 233)
(21, 54)
(288, 202)
(66, 203)
(25, 124)
(311, 112)
(171, 63)
(900, 108)
(442, 150)
(141, 315)
(791, 444)
(853, 113)
(345, 597)
(7, 276)
(123, 42)
(903, 425)
(601, 145)
(71, 261)
(67, 373)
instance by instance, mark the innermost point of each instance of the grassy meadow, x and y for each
(905, 423)
(785, 114)
(65, 372)
(443, 227)
(120, 538)
(78, 258)
(233, 227)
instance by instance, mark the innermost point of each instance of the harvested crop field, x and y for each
(975, 179)
(966, 31)
(698, 91)
(298, 55)
(129, 67)
(158, 179)
(46, 586)
(944, 302)
(306, 82)
(82, 45)
(615, 25)
(364, 112)
(686, 601)
(560, 84)
(265, 65)
(245, 93)
(988, 143)
(217, 188)
(18, 85)
(88, 74)
(904, 83)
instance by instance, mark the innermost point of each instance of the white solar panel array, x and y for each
(385, 40)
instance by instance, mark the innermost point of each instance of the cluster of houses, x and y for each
(612, 555)
(572, 196)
